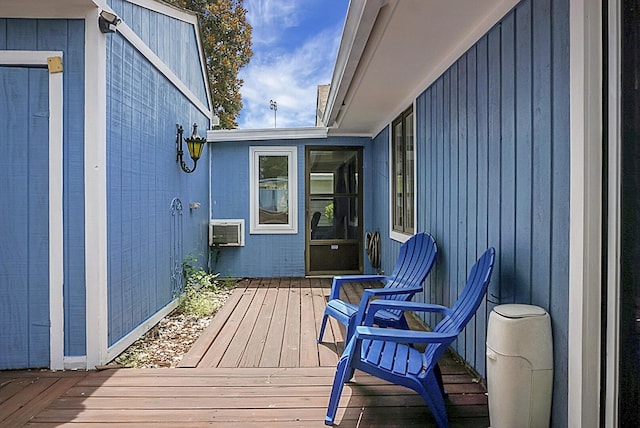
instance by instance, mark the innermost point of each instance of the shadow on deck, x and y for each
(258, 363)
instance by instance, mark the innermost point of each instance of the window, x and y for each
(273, 199)
(402, 173)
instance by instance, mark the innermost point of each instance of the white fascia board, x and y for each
(155, 60)
(472, 37)
(167, 9)
(360, 20)
(227, 135)
(62, 9)
(185, 16)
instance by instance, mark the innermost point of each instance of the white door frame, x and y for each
(56, 235)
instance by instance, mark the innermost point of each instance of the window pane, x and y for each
(334, 218)
(409, 174)
(321, 182)
(398, 176)
(273, 190)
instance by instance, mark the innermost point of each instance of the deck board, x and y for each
(257, 364)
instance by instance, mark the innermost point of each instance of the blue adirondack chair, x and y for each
(416, 258)
(389, 354)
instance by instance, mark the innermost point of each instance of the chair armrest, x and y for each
(402, 336)
(369, 293)
(377, 292)
(377, 305)
(338, 281)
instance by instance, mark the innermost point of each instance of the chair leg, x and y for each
(432, 395)
(336, 390)
(322, 326)
(438, 373)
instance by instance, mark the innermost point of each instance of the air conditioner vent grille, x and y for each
(226, 233)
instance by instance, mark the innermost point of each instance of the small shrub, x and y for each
(200, 296)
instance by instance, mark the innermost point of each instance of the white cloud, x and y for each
(270, 17)
(289, 78)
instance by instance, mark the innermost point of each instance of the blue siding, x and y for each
(143, 178)
(379, 193)
(24, 178)
(230, 199)
(66, 36)
(173, 40)
(493, 170)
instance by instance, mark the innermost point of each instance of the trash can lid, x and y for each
(519, 311)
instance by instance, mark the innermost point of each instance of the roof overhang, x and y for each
(230, 135)
(392, 50)
(46, 9)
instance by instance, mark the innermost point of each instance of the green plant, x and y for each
(199, 297)
(328, 212)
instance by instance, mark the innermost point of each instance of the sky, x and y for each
(295, 43)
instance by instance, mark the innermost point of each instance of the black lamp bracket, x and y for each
(179, 139)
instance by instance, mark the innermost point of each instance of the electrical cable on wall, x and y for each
(373, 250)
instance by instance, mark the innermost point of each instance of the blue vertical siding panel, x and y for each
(507, 192)
(521, 289)
(453, 183)
(173, 40)
(422, 193)
(3, 34)
(24, 283)
(542, 109)
(71, 40)
(490, 219)
(38, 228)
(114, 179)
(472, 177)
(482, 214)
(14, 283)
(440, 143)
(142, 179)
(66, 36)
(446, 181)
(453, 256)
(508, 161)
(559, 287)
(462, 181)
(22, 34)
(432, 223)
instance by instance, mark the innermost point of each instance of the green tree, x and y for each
(226, 41)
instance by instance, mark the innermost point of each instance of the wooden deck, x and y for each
(258, 364)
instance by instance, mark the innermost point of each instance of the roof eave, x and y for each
(360, 20)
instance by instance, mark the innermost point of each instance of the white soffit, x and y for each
(45, 9)
(410, 44)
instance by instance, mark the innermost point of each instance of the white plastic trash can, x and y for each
(519, 366)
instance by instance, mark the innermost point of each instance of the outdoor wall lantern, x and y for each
(107, 22)
(195, 144)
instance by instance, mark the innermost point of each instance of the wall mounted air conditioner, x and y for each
(226, 233)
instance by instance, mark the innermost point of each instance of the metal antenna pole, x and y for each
(274, 106)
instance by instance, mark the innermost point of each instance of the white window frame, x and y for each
(255, 152)
(393, 234)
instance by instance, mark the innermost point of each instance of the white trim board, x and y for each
(121, 345)
(56, 225)
(585, 234)
(614, 220)
(227, 135)
(155, 60)
(95, 192)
